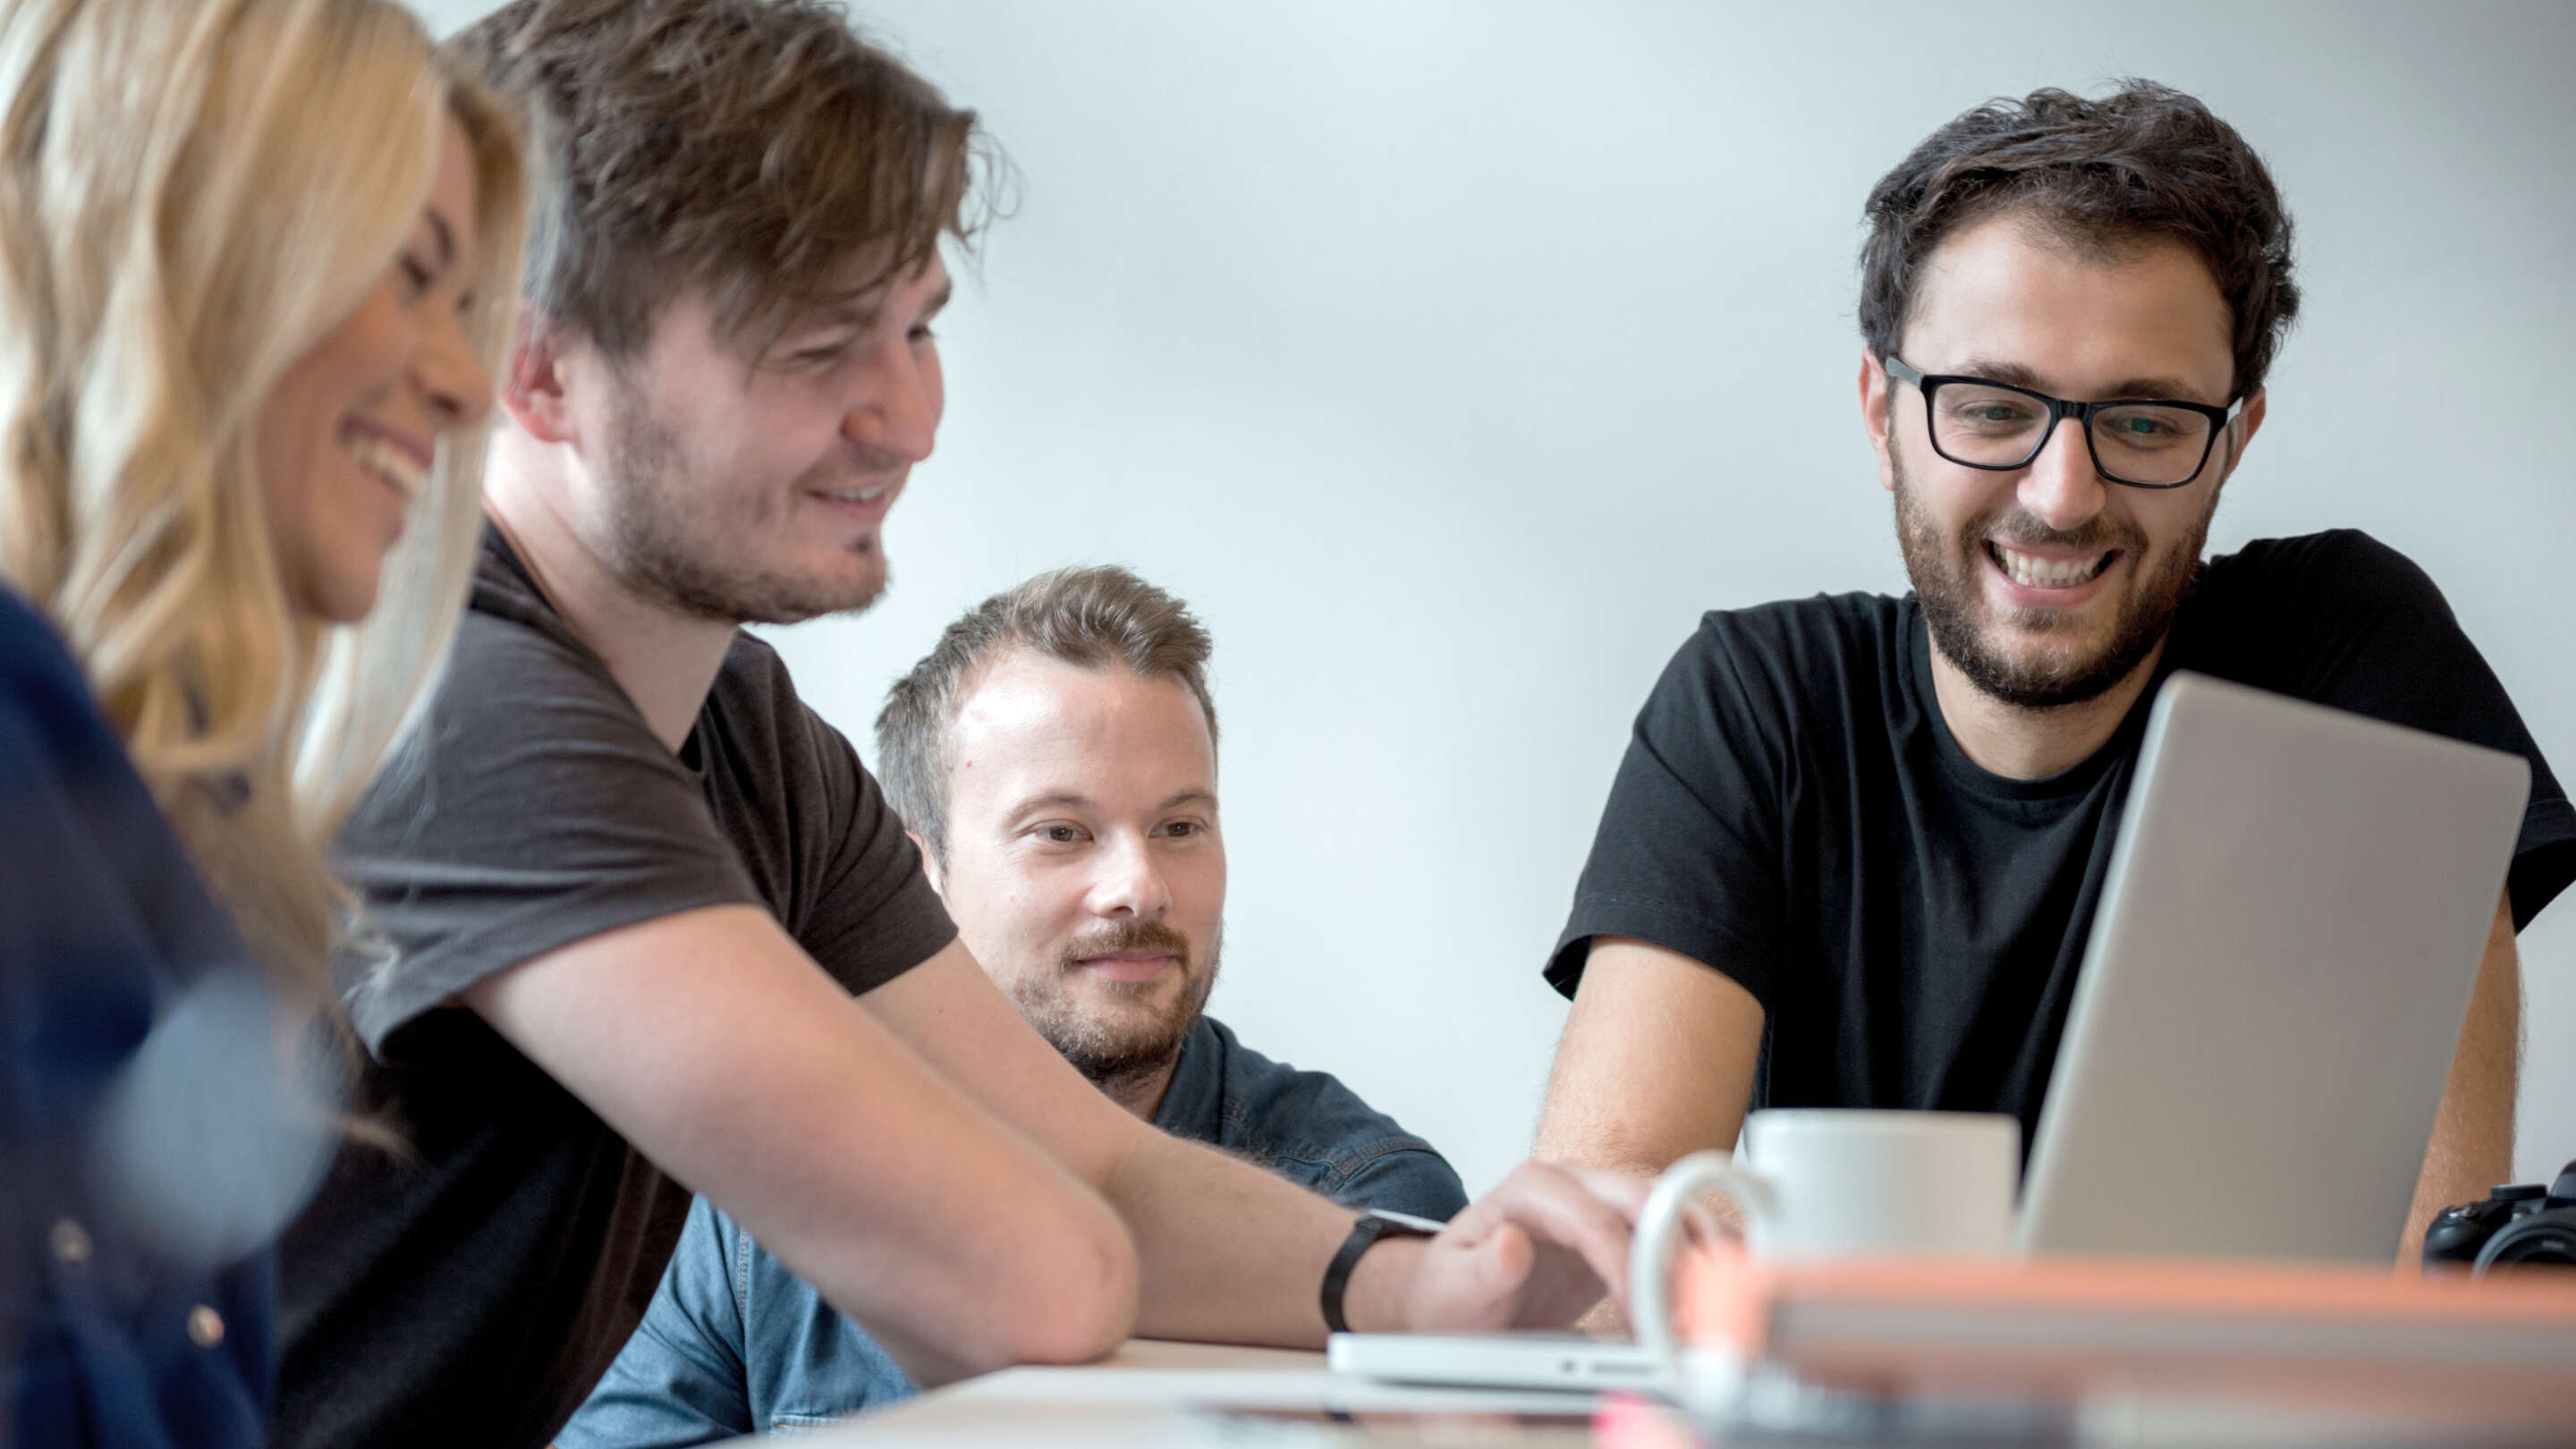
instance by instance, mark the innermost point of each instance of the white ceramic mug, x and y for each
(1835, 1183)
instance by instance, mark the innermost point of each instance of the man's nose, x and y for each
(2061, 487)
(1130, 882)
(894, 413)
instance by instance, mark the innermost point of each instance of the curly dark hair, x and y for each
(2146, 162)
(759, 148)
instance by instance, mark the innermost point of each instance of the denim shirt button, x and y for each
(70, 1242)
(205, 1326)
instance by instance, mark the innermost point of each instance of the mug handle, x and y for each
(1650, 1260)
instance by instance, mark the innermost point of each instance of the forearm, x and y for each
(1224, 1250)
(1233, 1254)
(1581, 1126)
(1570, 1132)
(2472, 1143)
(1656, 1062)
(960, 1244)
(1230, 1253)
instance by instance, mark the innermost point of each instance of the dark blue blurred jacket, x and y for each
(109, 1333)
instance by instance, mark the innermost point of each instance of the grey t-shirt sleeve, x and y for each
(875, 915)
(533, 808)
(821, 842)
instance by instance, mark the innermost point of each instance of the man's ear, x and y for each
(2248, 418)
(1875, 400)
(929, 860)
(536, 398)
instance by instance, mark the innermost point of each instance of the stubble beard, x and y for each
(662, 520)
(1106, 1048)
(1944, 571)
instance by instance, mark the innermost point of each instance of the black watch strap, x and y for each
(1374, 1224)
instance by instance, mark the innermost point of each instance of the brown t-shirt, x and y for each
(471, 1290)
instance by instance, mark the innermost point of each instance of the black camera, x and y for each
(2525, 1225)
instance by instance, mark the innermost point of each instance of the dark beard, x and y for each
(657, 540)
(1113, 1057)
(1944, 576)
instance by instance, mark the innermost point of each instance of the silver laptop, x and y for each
(2280, 965)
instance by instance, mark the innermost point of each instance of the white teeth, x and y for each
(862, 495)
(2046, 573)
(391, 464)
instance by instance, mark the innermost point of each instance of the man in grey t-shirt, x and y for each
(653, 924)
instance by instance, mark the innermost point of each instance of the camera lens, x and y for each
(2546, 1239)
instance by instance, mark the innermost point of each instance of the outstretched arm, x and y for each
(1232, 1253)
(714, 1044)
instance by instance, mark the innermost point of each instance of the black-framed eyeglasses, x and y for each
(1977, 422)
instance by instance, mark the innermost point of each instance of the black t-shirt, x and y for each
(471, 1288)
(1793, 812)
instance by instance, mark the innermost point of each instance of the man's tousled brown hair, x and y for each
(1101, 617)
(2142, 164)
(758, 148)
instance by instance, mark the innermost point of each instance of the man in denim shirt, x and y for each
(1055, 759)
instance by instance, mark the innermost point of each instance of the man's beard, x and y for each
(664, 525)
(1109, 1052)
(1945, 576)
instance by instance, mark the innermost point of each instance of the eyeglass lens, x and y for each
(1998, 427)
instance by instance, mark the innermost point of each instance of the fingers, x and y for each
(1586, 1212)
(1536, 1251)
(1504, 1260)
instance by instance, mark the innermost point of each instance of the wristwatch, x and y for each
(1374, 1223)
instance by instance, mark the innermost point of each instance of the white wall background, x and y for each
(1451, 358)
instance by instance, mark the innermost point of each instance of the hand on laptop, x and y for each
(1536, 1252)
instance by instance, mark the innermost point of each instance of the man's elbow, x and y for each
(1083, 1303)
(1070, 1298)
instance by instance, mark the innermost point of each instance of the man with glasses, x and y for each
(1853, 854)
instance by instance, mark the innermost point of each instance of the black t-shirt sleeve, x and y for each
(2357, 625)
(533, 808)
(1688, 852)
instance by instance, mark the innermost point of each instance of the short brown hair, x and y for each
(1096, 618)
(2144, 163)
(755, 147)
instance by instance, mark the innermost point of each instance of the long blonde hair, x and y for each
(193, 192)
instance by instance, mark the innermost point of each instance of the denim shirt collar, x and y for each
(1194, 1104)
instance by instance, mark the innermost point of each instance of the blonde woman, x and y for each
(255, 257)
